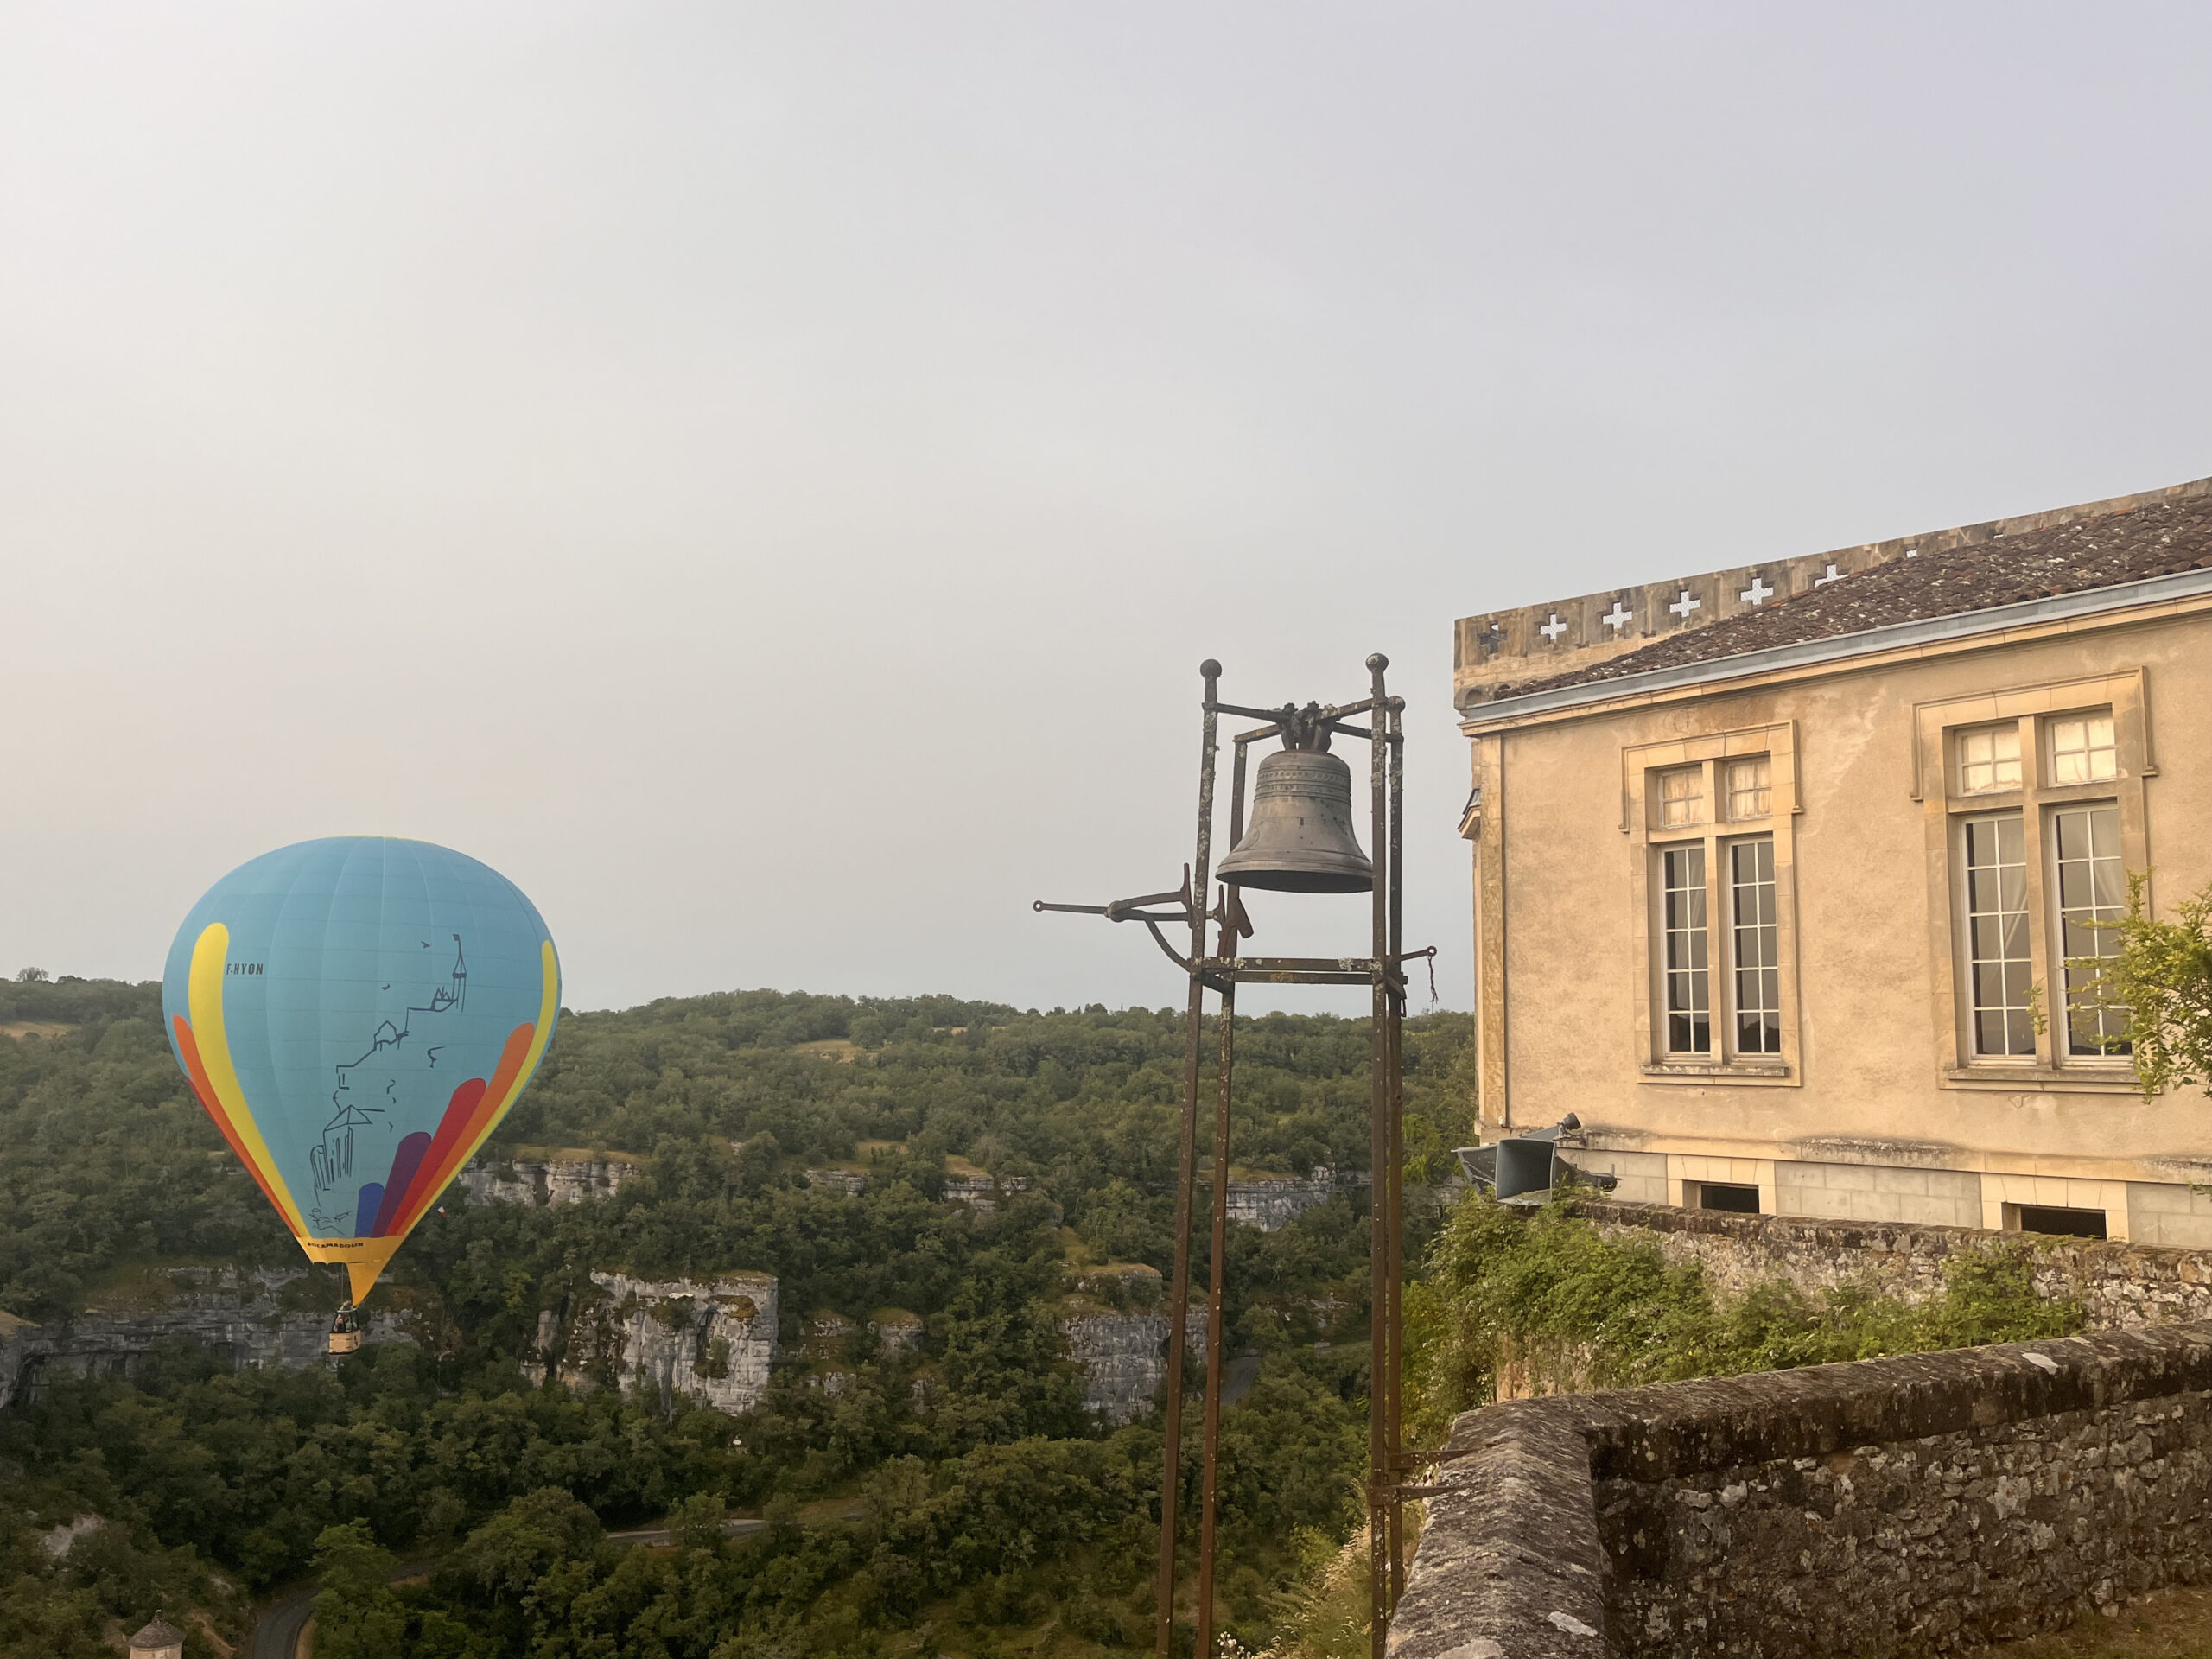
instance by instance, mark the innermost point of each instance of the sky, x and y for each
(763, 478)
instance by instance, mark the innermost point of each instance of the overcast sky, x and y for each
(763, 478)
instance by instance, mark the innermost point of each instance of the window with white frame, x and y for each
(1713, 821)
(2081, 749)
(1755, 938)
(1687, 972)
(2000, 971)
(1682, 798)
(1750, 788)
(2092, 894)
(2037, 793)
(1989, 759)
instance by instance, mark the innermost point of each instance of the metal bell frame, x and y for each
(1383, 970)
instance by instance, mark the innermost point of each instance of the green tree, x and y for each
(2161, 979)
(357, 1616)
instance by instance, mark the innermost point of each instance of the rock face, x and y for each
(1270, 1202)
(539, 1182)
(981, 1189)
(1124, 1358)
(896, 1329)
(851, 1182)
(713, 1342)
(240, 1317)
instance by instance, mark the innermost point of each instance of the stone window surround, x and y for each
(1945, 810)
(1641, 765)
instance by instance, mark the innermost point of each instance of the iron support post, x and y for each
(1231, 914)
(1179, 1300)
(1393, 1376)
(1384, 971)
(1378, 1471)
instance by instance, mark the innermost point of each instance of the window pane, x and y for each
(1681, 796)
(1750, 793)
(2092, 890)
(1988, 759)
(2081, 749)
(1998, 968)
(1758, 1001)
(1689, 1005)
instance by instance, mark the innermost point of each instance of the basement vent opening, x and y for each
(1742, 1200)
(2054, 1218)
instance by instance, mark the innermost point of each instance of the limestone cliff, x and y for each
(251, 1318)
(1272, 1202)
(713, 1342)
(1116, 1329)
(541, 1181)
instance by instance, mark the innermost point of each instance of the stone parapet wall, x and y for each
(2118, 1284)
(1923, 1504)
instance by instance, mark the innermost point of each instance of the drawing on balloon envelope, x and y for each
(394, 1060)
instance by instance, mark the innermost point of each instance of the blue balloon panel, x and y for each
(357, 1014)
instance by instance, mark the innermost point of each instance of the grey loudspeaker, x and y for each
(1523, 1167)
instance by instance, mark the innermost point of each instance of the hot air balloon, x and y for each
(357, 1014)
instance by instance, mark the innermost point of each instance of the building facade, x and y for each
(1788, 876)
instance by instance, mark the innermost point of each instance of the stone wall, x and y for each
(713, 1342)
(543, 1181)
(1918, 1504)
(2118, 1284)
(241, 1317)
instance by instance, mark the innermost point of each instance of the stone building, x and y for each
(1785, 875)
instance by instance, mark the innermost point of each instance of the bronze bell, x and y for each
(1301, 839)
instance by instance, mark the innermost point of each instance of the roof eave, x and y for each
(1893, 636)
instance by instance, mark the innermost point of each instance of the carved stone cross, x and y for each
(1758, 594)
(1617, 618)
(1553, 629)
(1685, 604)
(1833, 574)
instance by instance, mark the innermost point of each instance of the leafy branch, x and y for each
(2160, 981)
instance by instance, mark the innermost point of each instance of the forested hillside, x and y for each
(986, 1512)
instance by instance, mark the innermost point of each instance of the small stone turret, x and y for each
(159, 1640)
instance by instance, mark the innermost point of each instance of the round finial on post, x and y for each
(1377, 662)
(1210, 669)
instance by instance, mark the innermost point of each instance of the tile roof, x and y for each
(2124, 540)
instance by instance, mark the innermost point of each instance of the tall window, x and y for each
(1989, 759)
(2081, 750)
(2092, 888)
(1713, 821)
(1758, 947)
(1750, 788)
(2038, 792)
(1689, 991)
(1999, 969)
